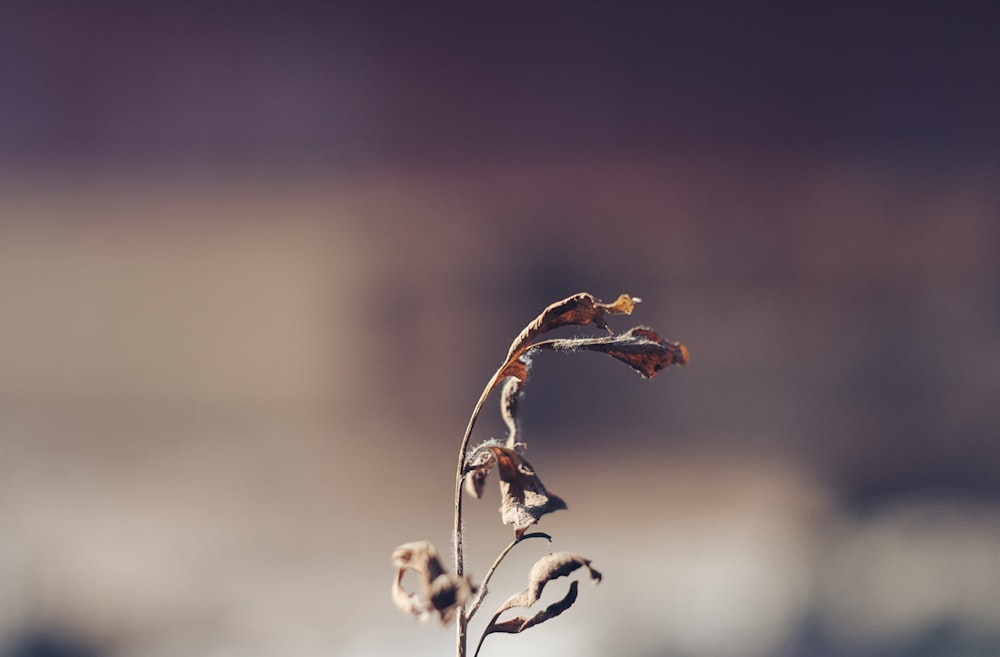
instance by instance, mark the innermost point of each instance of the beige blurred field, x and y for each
(224, 399)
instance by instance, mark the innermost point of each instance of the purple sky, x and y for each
(141, 84)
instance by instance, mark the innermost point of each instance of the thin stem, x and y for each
(489, 573)
(463, 621)
(483, 636)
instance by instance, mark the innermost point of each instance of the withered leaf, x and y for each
(477, 468)
(580, 309)
(640, 348)
(524, 499)
(549, 567)
(441, 592)
(521, 623)
(516, 367)
(509, 396)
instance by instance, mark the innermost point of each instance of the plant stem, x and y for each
(463, 621)
(483, 638)
(489, 573)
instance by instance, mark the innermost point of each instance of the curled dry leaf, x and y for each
(477, 468)
(509, 397)
(580, 309)
(549, 567)
(640, 348)
(441, 593)
(515, 368)
(521, 623)
(524, 499)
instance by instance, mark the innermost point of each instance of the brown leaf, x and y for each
(477, 467)
(549, 567)
(520, 623)
(441, 593)
(524, 499)
(509, 396)
(580, 309)
(546, 569)
(640, 348)
(517, 368)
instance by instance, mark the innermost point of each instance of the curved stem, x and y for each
(457, 536)
(484, 634)
(489, 573)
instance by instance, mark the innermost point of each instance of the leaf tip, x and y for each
(683, 359)
(623, 305)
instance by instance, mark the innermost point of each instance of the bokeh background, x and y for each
(257, 262)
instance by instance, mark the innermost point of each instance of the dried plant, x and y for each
(525, 499)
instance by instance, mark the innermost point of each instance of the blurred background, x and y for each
(257, 262)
